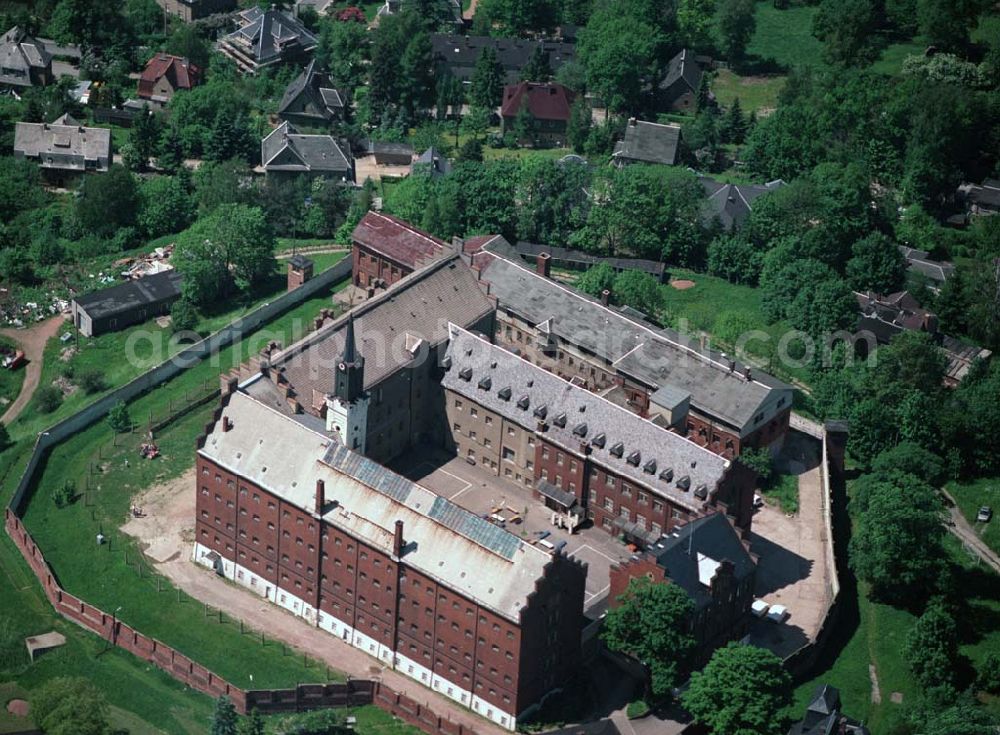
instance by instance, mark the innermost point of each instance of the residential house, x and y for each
(386, 249)
(678, 90)
(648, 142)
(125, 304)
(433, 163)
(390, 154)
(457, 54)
(63, 146)
(824, 717)
(548, 105)
(165, 74)
(731, 204)
(984, 199)
(24, 61)
(447, 10)
(189, 10)
(285, 152)
(266, 38)
(311, 100)
(920, 263)
(710, 560)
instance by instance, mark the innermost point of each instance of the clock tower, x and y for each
(347, 408)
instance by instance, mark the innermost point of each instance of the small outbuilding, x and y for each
(125, 304)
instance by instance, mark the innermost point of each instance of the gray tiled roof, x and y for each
(154, 289)
(268, 32)
(731, 204)
(574, 415)
(459, 53)
(649, 142)
(19, 54)
(921, 262)
(322, 101)
(441, 539)
(420, 305)
(683, 67)
(712, 536)
(68, 145)
(284, 149)
(654, 357)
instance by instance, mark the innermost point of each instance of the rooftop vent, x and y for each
(542, 411)
(599, 440)
(684, 483)
(485, 383)
(504, 394)
(650, 467)
(446, 362)
(560, 421)
(580, 430)
(618, 450)
(465, 374)
(667, 474)
(634, 458)
(523, 402)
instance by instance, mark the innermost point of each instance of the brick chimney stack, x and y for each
(605, 297)
(397, 540)
(227, 423)
(320, 496)
(543, 265)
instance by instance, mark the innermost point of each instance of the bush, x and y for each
(92, 381)
(183, 316)
(635, 709)
(13, 655)
(989, 674)
(118, 418)
(49, 398)
(68, 371)
(4, 437)
(64, 494)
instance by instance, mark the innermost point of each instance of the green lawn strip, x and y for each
(754, 93)
(890, 61)
(785, 492)
(370, 721)
(322, 261)
(786, 36)
(970, 496)
(987, 29)
(288, 244)
(490, 154)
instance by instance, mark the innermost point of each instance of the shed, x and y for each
(132, 302)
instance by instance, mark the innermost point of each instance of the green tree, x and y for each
(524, 124)
(224, 719)
(20, 188)
(471, 150)
(694, 21)
(739, 692)
(845, 27)
(486, 85)
(170, 150)
(48, 398)
(911, 360)
(944, 23)
(737, 22)
(734, 258)
(70, 706)
(913, 459)
(897, 544)
(343, 52)
(89, 22)
(517, 17)
(618, 51)
(4, 437)
(237, 239)
(108, 203)
(552, 200)
(650, 623)
(166, 206)
(760, 461)
(596, 279)
(119, 419)
(417, 71)
(183, 315)
(639, 290)
(734, 126)
(537, 69)
(579, 125)
(931, 649)
(253, 723)
(963, 715)
(876, 264)
(186, 42)
(144, 137)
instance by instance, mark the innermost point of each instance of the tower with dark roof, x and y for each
(347, 408)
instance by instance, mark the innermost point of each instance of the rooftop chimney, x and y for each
(397, 540)
(320, 496)
(227, 424)
(543, 264)
(605, 297)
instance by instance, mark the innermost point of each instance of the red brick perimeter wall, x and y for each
(196, 676)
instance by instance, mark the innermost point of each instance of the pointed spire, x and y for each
(349, 356)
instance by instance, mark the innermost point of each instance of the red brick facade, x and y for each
(373, 269)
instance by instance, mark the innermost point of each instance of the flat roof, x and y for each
(460, 550)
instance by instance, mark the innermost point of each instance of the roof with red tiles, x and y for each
(396, 239)
(548, 101)
(181, 73)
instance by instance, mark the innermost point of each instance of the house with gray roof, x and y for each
(311, 99)
(285, 153)
(678, 90)
(24, 61)
(921, 263)
(447, 10)
(731, 204)
(456, 54)
(266, 38)
(432, 162)
(648, 142)
(63, 146)
(824, 716)
(189, 10)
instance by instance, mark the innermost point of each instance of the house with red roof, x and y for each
(165, 74)
(548, 105)
(385, 249)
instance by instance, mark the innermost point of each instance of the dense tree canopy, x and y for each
(70, 706)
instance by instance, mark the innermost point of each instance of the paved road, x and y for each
(32, 341)
(968, 536)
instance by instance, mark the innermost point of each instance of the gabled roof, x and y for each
(731, 204)
(123, 297)
(398, 240)
(548, 101)
(920, 261)
(180, 72)
(267, 33)
(434, 162)
(284, 149)
(500, 381)
(692, 555)
(441, 539)
(19, 54)
(649, 142)
(69, 144)
(683, 68)
(313, 88)
(823, 716)
(459, 53)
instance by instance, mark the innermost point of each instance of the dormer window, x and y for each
(465, 374)
(701, 492)
(684, 483)
(560, 421)
(542, 411)
(485, 383)
(504, 394)
(667, 474)
(617, 450)
(523, 403)
(599, 440)
(580, 430)
(634, 458)
(650, 467)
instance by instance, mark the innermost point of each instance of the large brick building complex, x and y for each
(432, 590)
(385, 249)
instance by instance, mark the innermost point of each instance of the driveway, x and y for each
(967, 535)
(32, 341)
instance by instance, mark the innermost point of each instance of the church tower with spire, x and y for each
(347, 407)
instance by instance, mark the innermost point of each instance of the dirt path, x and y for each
(315, 250)
(876, 691)
(167, 533)
(967, 535)
(32, 341)
(470, 13)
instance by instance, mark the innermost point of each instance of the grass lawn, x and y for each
(754, 93)
(785, 36)
(890, 61)
(370, 721)
(287, 244)
(490, 154)
(10, 380)
(785, 492)
(970, 497)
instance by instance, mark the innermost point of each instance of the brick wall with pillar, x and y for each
(300, 270)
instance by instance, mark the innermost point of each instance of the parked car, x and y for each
(984, 515)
